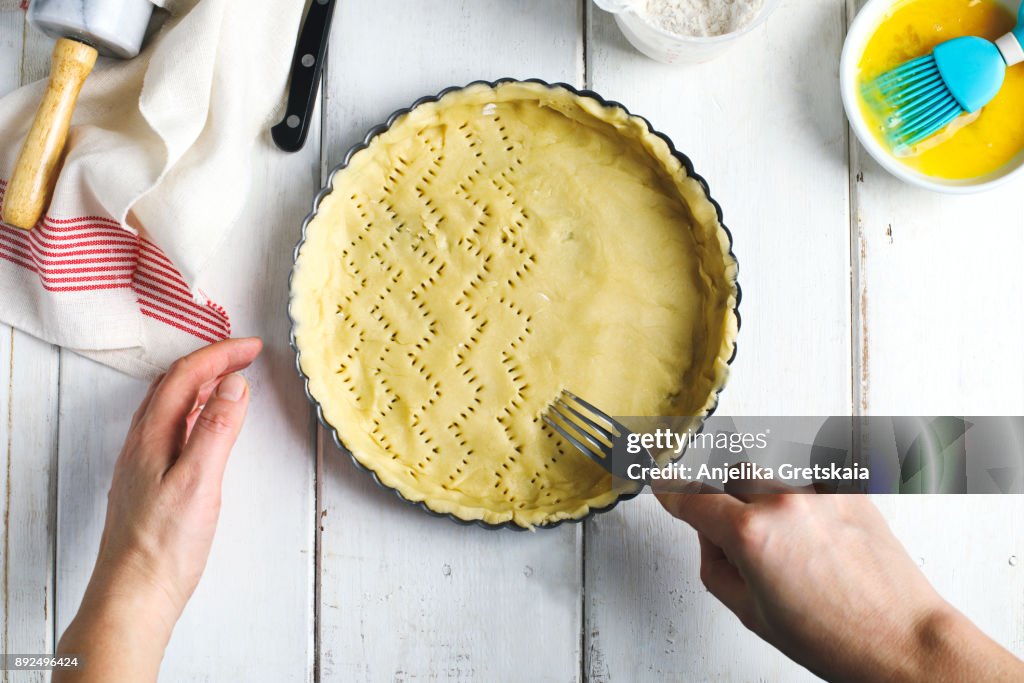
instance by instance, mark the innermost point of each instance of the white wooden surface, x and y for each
(29, 453)
(860, 294)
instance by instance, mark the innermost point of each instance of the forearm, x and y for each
(940, 645)
(118, 640)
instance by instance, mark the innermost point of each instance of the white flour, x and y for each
(700, 17)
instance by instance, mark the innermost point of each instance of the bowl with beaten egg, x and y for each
(976, 152)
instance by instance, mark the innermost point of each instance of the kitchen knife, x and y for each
(307, 67)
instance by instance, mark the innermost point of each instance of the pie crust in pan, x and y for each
(480, 253)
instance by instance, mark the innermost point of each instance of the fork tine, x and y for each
(599, 413)
(603, 462)
(599, 447)
(602, 432)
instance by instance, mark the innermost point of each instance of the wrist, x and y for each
(949, 647)
(124, 612)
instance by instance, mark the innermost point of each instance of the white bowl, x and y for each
(863, 27)
(670, 48)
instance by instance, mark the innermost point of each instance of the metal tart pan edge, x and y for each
(363, 144)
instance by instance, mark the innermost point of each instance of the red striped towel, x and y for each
(94, 261)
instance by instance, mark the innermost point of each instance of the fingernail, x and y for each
(231, 387)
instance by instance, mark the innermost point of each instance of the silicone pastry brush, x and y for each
(84, 29)
(962, 75)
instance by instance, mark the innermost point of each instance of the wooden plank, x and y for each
(261, 573)
(35, 56)
(251, 618)
(29, 412)
(771, 141)
(939, 334)
(404, 596)
(95, 409)
(28, 435)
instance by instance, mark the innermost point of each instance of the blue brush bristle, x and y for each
(914, 102)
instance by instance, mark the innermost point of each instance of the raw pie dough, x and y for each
(486, 252)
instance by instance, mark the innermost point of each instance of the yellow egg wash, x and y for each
(973, 145)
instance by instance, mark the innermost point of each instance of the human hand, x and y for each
(823, 579)
(162, 511)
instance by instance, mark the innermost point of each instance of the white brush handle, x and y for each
(1011, 49)
(1010, 44)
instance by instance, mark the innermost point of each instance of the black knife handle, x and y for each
(307, 67)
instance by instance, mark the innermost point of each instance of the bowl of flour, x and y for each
(686, 31)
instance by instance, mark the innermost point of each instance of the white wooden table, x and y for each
(861, 295)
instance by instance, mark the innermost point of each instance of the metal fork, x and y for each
(596, 435)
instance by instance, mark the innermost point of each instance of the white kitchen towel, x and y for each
(156, 173)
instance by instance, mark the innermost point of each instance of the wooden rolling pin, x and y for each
(31, 186)
(84, 29)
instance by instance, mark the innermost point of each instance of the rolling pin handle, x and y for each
(29, 192)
